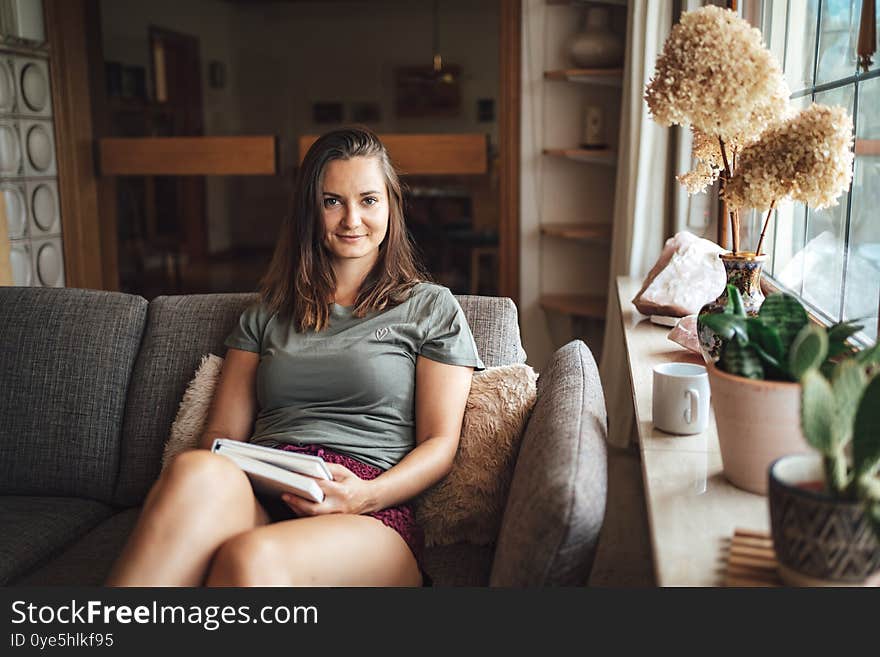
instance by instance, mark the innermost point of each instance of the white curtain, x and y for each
(640, 206)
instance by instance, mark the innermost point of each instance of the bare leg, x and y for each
(200, 501)
(329, 550)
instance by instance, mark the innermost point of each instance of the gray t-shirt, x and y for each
(351, 386)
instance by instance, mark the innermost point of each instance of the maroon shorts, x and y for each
(401, 518)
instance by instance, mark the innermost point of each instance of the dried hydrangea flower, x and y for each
(715, 74)
(807, 158)
(709, 163)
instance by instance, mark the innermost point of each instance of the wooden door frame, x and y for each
(87, 204)
(510, 78)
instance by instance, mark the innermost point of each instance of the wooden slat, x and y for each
(603, 76)
(430, 155)
(751, 560)
(599, 156)
(583, 232)
(580, 3)
(189, 156)
(578, 305)
(867, 147)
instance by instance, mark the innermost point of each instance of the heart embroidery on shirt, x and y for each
(381, 333)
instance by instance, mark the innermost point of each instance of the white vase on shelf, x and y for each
(596, 46)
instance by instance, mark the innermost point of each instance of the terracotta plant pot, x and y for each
(758, 422)
(819, 540)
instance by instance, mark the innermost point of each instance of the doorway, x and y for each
(161, 220)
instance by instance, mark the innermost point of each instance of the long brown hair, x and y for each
(300, 281)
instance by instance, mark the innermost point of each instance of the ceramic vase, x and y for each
(758, 422)
(818, 540)
(596, 46)
(743, 271)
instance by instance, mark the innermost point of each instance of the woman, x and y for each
(349, 355)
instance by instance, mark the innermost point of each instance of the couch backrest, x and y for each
(495, 325)
(180, 330)
(66, 358)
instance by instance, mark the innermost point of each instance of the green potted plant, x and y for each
(825, 506)
(755, 389)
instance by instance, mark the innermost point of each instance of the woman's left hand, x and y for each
(346, 493)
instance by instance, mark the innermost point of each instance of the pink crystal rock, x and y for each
(685, 334)
(688, 275)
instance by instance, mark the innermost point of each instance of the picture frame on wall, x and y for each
(420, 91)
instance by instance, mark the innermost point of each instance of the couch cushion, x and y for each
(180, 330)
(556, 504)
(461, 564)
(88, 560)
(34, 529)
(66, 356)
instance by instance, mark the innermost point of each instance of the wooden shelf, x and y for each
(582, 232)
(582, 3)
(612, 77)
(596, 156)
(579, 305)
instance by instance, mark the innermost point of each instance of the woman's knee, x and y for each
(204, 471)
(253, 558)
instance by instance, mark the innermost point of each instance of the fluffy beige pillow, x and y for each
(193, 411)
(468, 504)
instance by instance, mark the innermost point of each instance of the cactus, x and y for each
(841, 419)
(808, 350)
(840, 386)
(866, 432)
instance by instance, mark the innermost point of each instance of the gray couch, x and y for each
(89, 385)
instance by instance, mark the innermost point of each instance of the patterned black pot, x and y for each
(819, 541)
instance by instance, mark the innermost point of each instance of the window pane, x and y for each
(750, 230)
(838, 36)
(788, 232)
(825, 235)
(788, 244)
(863, 267)
(801, 43)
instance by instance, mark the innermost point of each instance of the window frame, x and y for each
(762, 13)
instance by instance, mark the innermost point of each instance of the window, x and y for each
(830, 258)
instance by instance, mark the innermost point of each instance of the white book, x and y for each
(276, 475)
(306, 464)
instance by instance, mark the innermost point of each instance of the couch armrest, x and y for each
(556, 503)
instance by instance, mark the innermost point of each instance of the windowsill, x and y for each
(692, 509)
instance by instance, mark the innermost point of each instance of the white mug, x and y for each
(681, 398)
